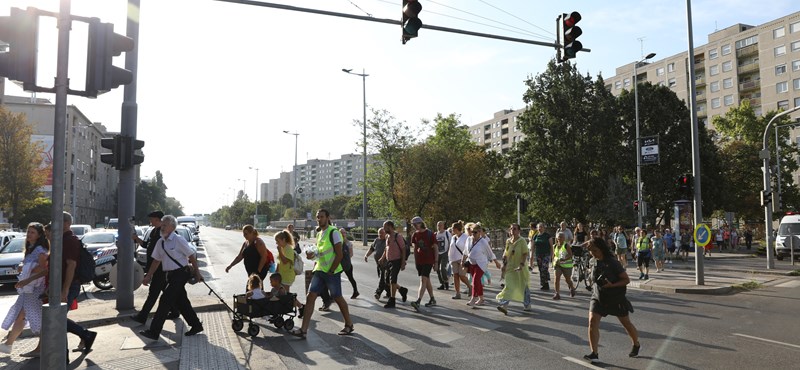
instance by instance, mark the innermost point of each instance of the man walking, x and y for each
(378, 247)
(70, 284)
(327, 274)
(158, 281)
(443, 240)
(394, 257)
(426, 258)
(175, 254)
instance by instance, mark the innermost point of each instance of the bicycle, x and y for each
(581, 267)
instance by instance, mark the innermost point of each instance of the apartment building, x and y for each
(320, 179)
(90, 186)
(499, 133)
(759, 64)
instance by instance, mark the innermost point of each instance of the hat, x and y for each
(416, 220)
(157, 214)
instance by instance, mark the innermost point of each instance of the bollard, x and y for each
(309, 274)
(791, 248)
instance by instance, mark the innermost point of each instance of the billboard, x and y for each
(46, 152)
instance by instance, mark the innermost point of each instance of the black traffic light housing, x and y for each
(411, 22)
(123, 152)
(104, 45)
(20, 31)
(636, 205)
(684, 185)
(568, 34)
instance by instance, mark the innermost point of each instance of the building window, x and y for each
(671, 67)
(672, 82)
(744, 43)
(796, 83)
(714, 86)
(712, 54)
(783, 105)
(728, 100)
(794, 27)
(780, 69)
(797, 102)
(778, 32)
(727, 66)
(796, 65)
(727, 83)
(780, 50)
(618, 85)
(796, 46)
(715, 103)
(726, 49)
(660, 71)
(627, 82)
(713, 70)
(782, 87)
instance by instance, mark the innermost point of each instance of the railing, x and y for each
(700, 97)
(699, 81)
(747, 50)
(749, 85)
(747, 68)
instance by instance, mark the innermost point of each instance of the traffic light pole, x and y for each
(698, 201)
(54, 313)
(127, 189)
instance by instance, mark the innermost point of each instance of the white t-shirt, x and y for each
(443, 239)
(258, 294)
(456, 244)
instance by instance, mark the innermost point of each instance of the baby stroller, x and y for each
(248, 309)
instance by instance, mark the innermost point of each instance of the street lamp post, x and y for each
(363, 75)
(255, 218)
(294, 174)
(638, 144)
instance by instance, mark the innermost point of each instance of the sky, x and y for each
(218, 82)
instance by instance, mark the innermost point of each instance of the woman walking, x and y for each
(257, 258)
(458, 244)
(658, 250)
(543, 244)
(517, 286)
(28, 306)
(478, 256)
(562, 264)
(347, 262)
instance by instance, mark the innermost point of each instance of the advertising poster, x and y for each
(46, 152)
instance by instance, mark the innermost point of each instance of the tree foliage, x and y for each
(152, 195)
(20, 159)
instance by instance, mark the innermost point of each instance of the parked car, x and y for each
(189, 220)
(141, 252)
(11, 255)
(99, 239)
(80, 230)
(113, 223)
(227, 227)
(788, 229)
(7, 236)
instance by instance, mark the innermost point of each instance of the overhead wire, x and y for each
(513, 15)
(359, 8)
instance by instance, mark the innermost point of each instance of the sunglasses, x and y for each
(476, 231)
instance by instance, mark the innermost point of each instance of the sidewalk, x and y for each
(118, 345)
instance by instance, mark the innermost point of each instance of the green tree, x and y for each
(40, 210)
(20, 176)
(152, 195)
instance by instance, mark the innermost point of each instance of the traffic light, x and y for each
(636, 205)
(104, 45)
(569, 34)
(411, 23)
(112, 144)
(20, 32)
(684, 184)
(137, 156)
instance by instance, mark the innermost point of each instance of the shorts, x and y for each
(685, 247)
(394, 269)
(566, 271)
(424, 270)
(622, 251)
(643, 259)
(457, 268)
(620, 308)
(322, 281)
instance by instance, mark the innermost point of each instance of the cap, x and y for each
(157, 214)
(416, 220)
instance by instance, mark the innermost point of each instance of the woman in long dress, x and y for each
(28, 306)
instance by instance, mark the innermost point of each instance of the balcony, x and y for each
(748, 68)
(700, 81)
(700, 96)
(747, 50)
(749, 85)
(754, 102)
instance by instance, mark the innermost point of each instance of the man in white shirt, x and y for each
(443, 239)
(175, 254)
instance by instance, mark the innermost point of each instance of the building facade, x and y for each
(320, 179)
(90, 186)
(499, 133)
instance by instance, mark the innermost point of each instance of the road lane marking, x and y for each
(767, 340)
(581, 362)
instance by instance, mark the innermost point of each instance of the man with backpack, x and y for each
(443, 240)
(159, 280)
(426, 258)
(394, 257)
(71, 284)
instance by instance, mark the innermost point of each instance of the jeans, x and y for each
(526, 300)
(443, 262)
(72, 327)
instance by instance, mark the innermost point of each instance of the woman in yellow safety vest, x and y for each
(643, 255)
(562, 256)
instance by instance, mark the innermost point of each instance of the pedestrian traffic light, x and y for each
(18, 37)
(112, 144)
(636, 205)
(137, 155)
(569, 34)
(684, 184)
(411, 23)
(104, 45)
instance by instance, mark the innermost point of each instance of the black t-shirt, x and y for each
(610, 269)
(580, 237)
(155, 235)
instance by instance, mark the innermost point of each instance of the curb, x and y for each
(123, 315)
(750, 271)
(706, 290)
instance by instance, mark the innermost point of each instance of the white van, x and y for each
(189, 220)
(789, 229)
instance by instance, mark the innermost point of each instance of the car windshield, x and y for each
(184, 233)
(789, 229)
(98, 238)
(14, 246)
(78, 230)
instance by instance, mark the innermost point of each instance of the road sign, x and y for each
(702, 235)
(649, 148)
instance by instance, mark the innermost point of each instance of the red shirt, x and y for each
(71, 250)
(425, 247)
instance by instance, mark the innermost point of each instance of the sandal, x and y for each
(324, 309)
(348, 330)
(298, 333)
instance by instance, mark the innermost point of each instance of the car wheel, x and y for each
(103, 283)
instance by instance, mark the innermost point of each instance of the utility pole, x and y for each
(698, 200)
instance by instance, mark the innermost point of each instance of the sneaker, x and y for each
(503, 309)
(527, 308)
(635, 350)
(441, 287)
(431, 303)
(5, 348)
(194, 330)
(415, 306)
(646, 276)
(556, 297)
(545, 288)
(404, 293)
(377, 296)
(446, 286)
(641, 275)
(390, 304)
(592, 357)
(149, 334)
(457, 296)
(572, 292)
(355, 295)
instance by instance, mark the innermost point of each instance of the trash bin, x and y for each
(309, 274)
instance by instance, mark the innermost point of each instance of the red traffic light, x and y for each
(636, 205)
(573, 18)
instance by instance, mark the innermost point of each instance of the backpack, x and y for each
(85, 270)
(298, 264)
